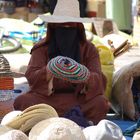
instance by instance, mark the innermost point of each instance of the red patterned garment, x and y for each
(65, 95)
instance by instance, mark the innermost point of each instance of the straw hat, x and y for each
(65, 11)
(105, 130)
(56, 129)
(68, 69)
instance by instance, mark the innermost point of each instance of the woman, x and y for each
(65, 39)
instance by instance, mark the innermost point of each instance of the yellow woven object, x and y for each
(106, 55)
(107, 64)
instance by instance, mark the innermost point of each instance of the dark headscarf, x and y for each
(64, 41)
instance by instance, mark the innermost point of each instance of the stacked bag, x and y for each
(41, 122)
(6, 80)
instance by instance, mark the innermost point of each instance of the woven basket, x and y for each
(6, 87)
(6, 79)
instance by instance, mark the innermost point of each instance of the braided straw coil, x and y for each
(68, 69)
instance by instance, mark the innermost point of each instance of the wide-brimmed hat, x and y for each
(104, 130)
(65, 11)
(68, 69)
(57, 128)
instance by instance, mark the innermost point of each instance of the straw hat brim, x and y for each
(62, 19)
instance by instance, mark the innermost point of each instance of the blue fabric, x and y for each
(128, 138)
(127, 127)
(32, 36)
(124, 125)
(76, 115)
(132, 129)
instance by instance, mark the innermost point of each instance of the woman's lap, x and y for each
(94, 109)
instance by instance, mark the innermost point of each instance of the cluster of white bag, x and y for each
(41, 122)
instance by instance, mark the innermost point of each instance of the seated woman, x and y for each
(65, 37)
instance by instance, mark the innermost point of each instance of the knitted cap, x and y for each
(68, 69)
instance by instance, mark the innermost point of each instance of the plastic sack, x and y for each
(107, 65)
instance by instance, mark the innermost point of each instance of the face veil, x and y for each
(65, 42)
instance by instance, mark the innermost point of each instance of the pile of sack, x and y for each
(6, 79)
(41, 122)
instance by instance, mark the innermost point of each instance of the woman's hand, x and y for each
(49, 75)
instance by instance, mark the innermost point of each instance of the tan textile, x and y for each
(122, 97)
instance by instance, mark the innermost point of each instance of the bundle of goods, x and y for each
(6, 87)
(41, 122)
(6, 80)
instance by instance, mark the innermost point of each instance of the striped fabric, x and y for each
(68, 69)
